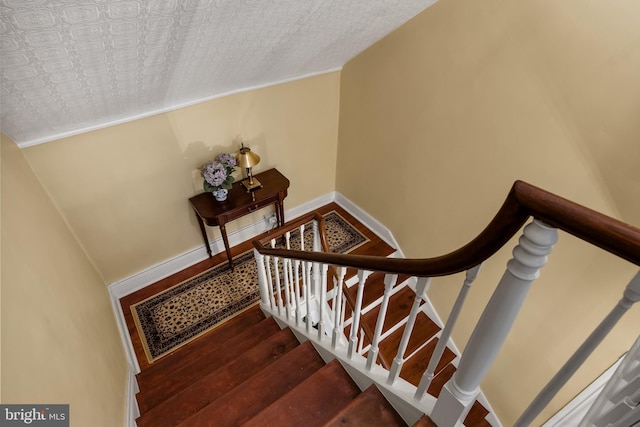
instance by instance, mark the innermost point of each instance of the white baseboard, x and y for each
(371, 223)
(132, 409)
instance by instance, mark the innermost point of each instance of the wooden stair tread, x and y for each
(423, 330)
(220, 334)
(424, 421)
(373, 289)
(414, 367)
(476, 416)
(313, 402)
(162, 385)
(440, 380)
(196, 396)
(400, 305)
(260, 390)
(369, 408)
(401, 301)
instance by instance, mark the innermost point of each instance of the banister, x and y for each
(524, 200)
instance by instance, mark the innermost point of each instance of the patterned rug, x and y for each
(185, 311)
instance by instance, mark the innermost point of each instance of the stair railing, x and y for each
(619, 403)
(549, 212)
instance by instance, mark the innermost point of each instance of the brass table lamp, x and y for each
(247, 160)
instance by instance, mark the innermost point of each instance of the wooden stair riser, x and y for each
(167, 364)
(196, 396)
(190, 370)
(259, 391)
(369, 408)
(313, 402)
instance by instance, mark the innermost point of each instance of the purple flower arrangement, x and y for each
(217, 173)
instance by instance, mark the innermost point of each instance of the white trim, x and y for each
(574, 411)
(38, 141)
(371, 223)
(132, 409)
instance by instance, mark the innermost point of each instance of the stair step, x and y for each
(161, 385)
(369, 408)
(476, 416)
(187, 402)
(221, 334)
(260, 390)
(469, 421)
(401, 301)
(373, 290)
(424, 421)
(313, 402)
(414, 367)
(423, 330)
(477, 413)
(440, 380)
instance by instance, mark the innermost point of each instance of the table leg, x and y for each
(223, 231)
(204, 235)
(280, 212)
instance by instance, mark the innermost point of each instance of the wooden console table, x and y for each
(239, 203)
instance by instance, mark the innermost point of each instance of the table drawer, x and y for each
(258, 204)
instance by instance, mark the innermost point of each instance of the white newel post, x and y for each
(459, 394)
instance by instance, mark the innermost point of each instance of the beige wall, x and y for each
(124, 189)
(59, 339)
(438, 119)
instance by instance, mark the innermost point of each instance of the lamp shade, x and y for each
(246, 158)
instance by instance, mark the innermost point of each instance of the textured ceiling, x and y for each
(69, 66)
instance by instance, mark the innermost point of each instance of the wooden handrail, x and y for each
(524, 200)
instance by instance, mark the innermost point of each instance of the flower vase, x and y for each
(220, 194)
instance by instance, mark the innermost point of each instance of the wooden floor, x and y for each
(375, 246)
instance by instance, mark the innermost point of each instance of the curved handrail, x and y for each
(524, 200)
(294, 225)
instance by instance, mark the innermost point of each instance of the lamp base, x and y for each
(253, 186)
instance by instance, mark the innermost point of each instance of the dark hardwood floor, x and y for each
(375, 246)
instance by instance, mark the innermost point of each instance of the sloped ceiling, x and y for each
(69, 66)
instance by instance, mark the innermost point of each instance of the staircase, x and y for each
(251, 372)
(349, 334)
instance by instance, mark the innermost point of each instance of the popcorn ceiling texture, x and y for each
(70, 66)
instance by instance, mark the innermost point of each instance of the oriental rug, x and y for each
(180, 314)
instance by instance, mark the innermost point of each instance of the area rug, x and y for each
(185, 311)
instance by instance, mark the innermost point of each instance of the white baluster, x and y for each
(355, 321)
(428, 375)
(343, 312)
(421, 293)
(458, 395)
(322, 302)
(286, 264)
(317, 247)
(337, 308)
(262, 279)
(276, 272)
(631, 295)
(308, 293)
(627, 373)
(272, 301)
(389, 282)
(297, 279)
